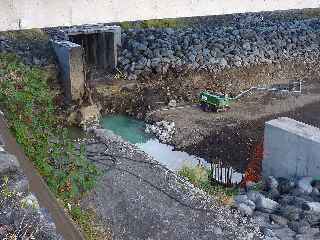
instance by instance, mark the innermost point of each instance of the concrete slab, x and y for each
(70, 56)
(291, 149)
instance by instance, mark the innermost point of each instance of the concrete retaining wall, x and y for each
(24, 14)
(70, 56)
(291, 149)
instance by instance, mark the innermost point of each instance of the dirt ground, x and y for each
(229, 136)
(226, 136)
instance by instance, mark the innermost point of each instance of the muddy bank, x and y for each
(235, 144)
(230, 136)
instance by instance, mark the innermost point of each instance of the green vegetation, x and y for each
(26, 35)
(88, 223)
(200, 177)
(156, 23)
(26, 98)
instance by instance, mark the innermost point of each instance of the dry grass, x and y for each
(26, 35)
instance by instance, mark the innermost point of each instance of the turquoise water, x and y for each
(128, 128)
(133, 131)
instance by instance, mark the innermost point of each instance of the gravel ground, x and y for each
(140, 199)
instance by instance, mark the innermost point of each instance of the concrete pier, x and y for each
(70, 57)
(291, 149)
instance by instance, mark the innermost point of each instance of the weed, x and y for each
(87, 221)
(26, 35)
(28, 103)
(200, 177)
(155, 23)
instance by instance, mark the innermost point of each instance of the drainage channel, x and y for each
(133, 131)
(38, 186)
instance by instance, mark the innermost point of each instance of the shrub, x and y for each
(200, 177)
(155, 23)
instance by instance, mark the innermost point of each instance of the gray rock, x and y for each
(278, 219)
(292, 200)
(271, 238)
(261, 218)
(36, 61)
(292, 213)
(8, 163)
(300, 227)
(304, 185)
(267, 232)
(246, 46)
(266, 205)
(285, 185)
(172, 103)
(307, 236)
(284, 233)
(238, 63)
(312, 206)
(222, 62)
(241, 198)
(316, 184)
(245, 210)
(254, 196)
(273, 194)
(271, 183)
(315, 192)
(21, 186)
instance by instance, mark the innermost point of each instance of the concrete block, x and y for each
(70, 56)
(291, 149)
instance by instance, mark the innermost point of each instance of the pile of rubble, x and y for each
(163, 130)
(284, 208)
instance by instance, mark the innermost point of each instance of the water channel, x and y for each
(133, 131)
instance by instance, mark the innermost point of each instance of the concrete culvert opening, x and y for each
(86, 54)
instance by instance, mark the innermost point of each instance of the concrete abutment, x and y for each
(85, 53)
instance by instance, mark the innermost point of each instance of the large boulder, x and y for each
(266, 205)
(304, 185)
